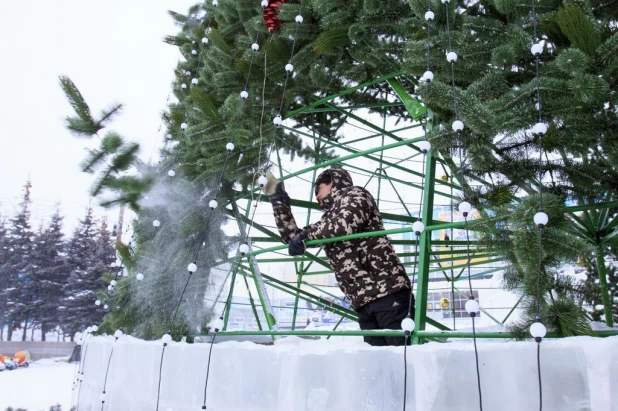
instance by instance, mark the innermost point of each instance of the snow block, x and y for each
(322, 375)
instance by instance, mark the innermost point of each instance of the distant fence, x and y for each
(38, 349)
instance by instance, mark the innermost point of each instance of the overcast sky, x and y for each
(113, 51)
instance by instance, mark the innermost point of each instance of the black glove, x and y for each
(297, 244)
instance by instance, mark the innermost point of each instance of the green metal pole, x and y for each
(607, 308)
(252, 302)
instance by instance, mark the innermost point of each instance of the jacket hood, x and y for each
(340, 180)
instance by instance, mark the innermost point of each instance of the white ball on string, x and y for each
(418, 227)
(156, 223)
(541, 219)
(192, 267)
(472, 307)
(213, 204)
(264, 3)
(538, 330)
(118, 333)
(89, 329)
(217, 324)
(277, 120)
(183, 86)
(244, 248)
(110, 287)
(95, 328)
(229, 146)
(102, 397)
(171, 173)
(445, 1)
(194, 52)
(464, 207)
(299, 19)
(262, 181)
(540, 128)
(139, 277)
(407, 324)
(195, 81)
(105, 307)
(205, 40)
(166, 338)
(536, 49)
(424, 146)
(255, 47)
(184, 126)
(451, 57)
(429, 16)
(215, 3)
(458, 125)
(244, 94)
(97, 302)
(113, 283)
(427, 76)
(289, 67)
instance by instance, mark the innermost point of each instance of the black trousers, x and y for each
(385, 313)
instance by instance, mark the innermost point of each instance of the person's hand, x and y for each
(297, 244)
(275, 190)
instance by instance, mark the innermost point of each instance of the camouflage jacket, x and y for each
(367, 268)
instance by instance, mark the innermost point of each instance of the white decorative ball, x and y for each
(445, 1)
(95, 328)
(213, 204)
(166, 338)
(427, 76)
(458, 125)
(255, 47)
(277, 120)
(451, 57)
(464, 207)
(264, 3)
(97, 302)
(102, 397)
(118, 333)
(195, 81)
(110, 287)
(244, 248)
(215, 3)
(184, 86)
(418, 227)
(229, 146)
(192, 267)
(538, 330)
(244, 94)
(217, 324)
(105, 307)
(407, 324)
(205, 40)
(262, 181)
(184, 126)
(171, 173)
(424, 146)
(472, 306)
(139, 277)
(289, 67)
(113, 283)
(429, 16)
(156, 223)
(540, 128)
(536, 49)
(299, 19)
(89, 329)
(194, 52)
(541, 219)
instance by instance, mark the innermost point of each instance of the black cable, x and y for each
(208, 369)
(476, 355)
(405, 371)
(160, 374)
(109, 361)
(79, 392)
(538, 364)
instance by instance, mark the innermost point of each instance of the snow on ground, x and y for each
(38, 387)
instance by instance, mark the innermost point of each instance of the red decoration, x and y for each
(270, 15)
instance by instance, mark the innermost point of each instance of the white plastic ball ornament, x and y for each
(540, 128)
(139, 277)
(424, 146)
(445, 1)
(427, 76)
(110, 287)
(103, 397)
(464, 207)
(166, 339)
(264, 3)
(106, 307)
(213, 204)
(407, 324)
(95, 328)
(244, 248)
(538, 331)
(458, 125)
(192, 267)
(217, 325)
(541, 219)
(229, 146)
(205, 40)
(277, 120)
(118, 333)
(244, 94)
(418, 227)
(451, 57)
(536, 49)
(156, 223)
(97, 302)
(472, 307)
(171, 173)
(429, 16)
(195, 81)
(184, 126)
(113, 283)
(255, 47)
(299, 19)
(262, 181)
(183, 86)
(215, 3)
(289, 67)
(194, 52)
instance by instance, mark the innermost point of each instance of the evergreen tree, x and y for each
(3, 278)
(17, 283)
(50, 274)
(85, 279)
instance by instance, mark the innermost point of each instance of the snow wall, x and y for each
(579, 373)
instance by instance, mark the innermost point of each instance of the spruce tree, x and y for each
(85, 279)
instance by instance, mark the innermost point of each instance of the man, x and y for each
(367, 269)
